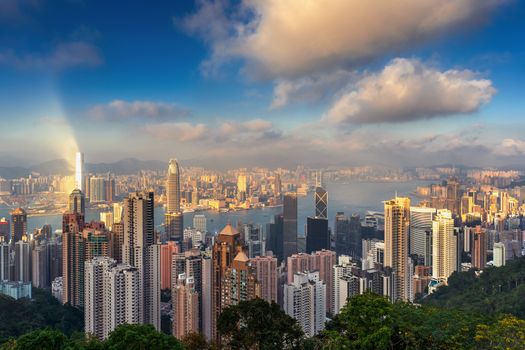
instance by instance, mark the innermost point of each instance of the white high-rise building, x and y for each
(139, 250)
(79, 171)
(499, 254)
(343, 268)
(117, 212)
(421, 233)
(444, 245)
(112, 296)
(305, 300)
(200, 223)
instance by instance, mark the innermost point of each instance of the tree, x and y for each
(140, 337)
(256, 324)
(507, 333)
(195, 341)
(42, 339)
(365, 322)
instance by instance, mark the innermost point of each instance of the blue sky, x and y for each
(264, 82)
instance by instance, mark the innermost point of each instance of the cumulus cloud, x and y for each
(407, 89)
(64, 56)
(121, 109)
(309, 89)
(510, 147)
(178, 131)
(294, 38)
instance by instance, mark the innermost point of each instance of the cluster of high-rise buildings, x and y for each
(115, 269)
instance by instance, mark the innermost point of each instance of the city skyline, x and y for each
(199, 79)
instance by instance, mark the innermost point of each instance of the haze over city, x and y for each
(236, 84)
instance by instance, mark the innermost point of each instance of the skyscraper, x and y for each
(73, 258)
(479, 248)
(274, 237)
(166, 253)
(5, 261)
(397, 213)
(97, 187)
(79, 171)
(139, 250)
(266, 273)
(200, 223)
(174, 218)
(40, 265)
(18, 224)
(77, 202)
(185, 301)
(289, 224)
(321, 202)
(4, 230)
(421, 233)
(239, 281)
(317, 234)
(23, 265)
(444, 251)
(342, 232)
(499, 254)
(112, 296)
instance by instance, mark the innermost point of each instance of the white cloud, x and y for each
(178, 132)
(408, 90)
(254, 125)
(65, 55)
(510, 147)
(120, 109)
(293, 38)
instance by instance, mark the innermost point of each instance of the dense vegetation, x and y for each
(498, 290)
(21, 316)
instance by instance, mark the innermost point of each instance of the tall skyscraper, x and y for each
(317, 234)
(479, 248)
(77, 202)
(397, 213)
(18, 224)
(239, 281)
(97, 186)
(274, 237)
(167, 251)
(117, 212)
(421, 233)
(117, 241)
(342, 233)
(200, 223)
(139, 250)
(23, 265)
(444, 250)
(185, 302)
(304, 300)
(499, 254)
(174, 218)
(5, 261)
(79, 171)
(289, 224)
(40, 265)
(343, 268)
(4, 230)
(321, 203)
(242, 187)
(266, 274)
(112, 296)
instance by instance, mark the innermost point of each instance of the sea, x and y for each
(347, 197)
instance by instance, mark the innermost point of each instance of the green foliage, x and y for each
(498, 290)
(507, 333)
(195, 341)
(43, 311)
(140, 337)
(256, 324)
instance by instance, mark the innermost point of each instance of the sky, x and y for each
(264, 82)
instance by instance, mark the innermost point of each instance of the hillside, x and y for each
(497, 290)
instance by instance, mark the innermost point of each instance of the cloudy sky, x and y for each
(264, 82)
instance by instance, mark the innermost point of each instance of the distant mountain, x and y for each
(62, 167)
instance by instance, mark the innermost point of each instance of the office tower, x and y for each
(23, 265)
(317, 234)
(77, 202)
(274, 237)
(499, 254)
(139, 250)
(239, 281)
(321, 203)
(185, 304)
(4, 230)
(355, 237)
(79, 171)
(421, 233)
(112, 296)
(342, 233)
(242, 187)
(117, 241)
(54, 251)
(173, 187)
(109, 186)
(97, 187)
(200, 223)
(224, 251)
(253, 240)
(73, 258)
(397, 213)
(40, 265)
(174, 226)
(343, 268)
(444, 245)
(5, 261)
(304, 300)
(18, 224)
(117, 212)
(166, 252)
(479, 248)
(266, 274)
(289, 224)
(206, 297)
(107, 218)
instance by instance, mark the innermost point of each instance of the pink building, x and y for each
(166, 252)
(185, 303)
(266, 274)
